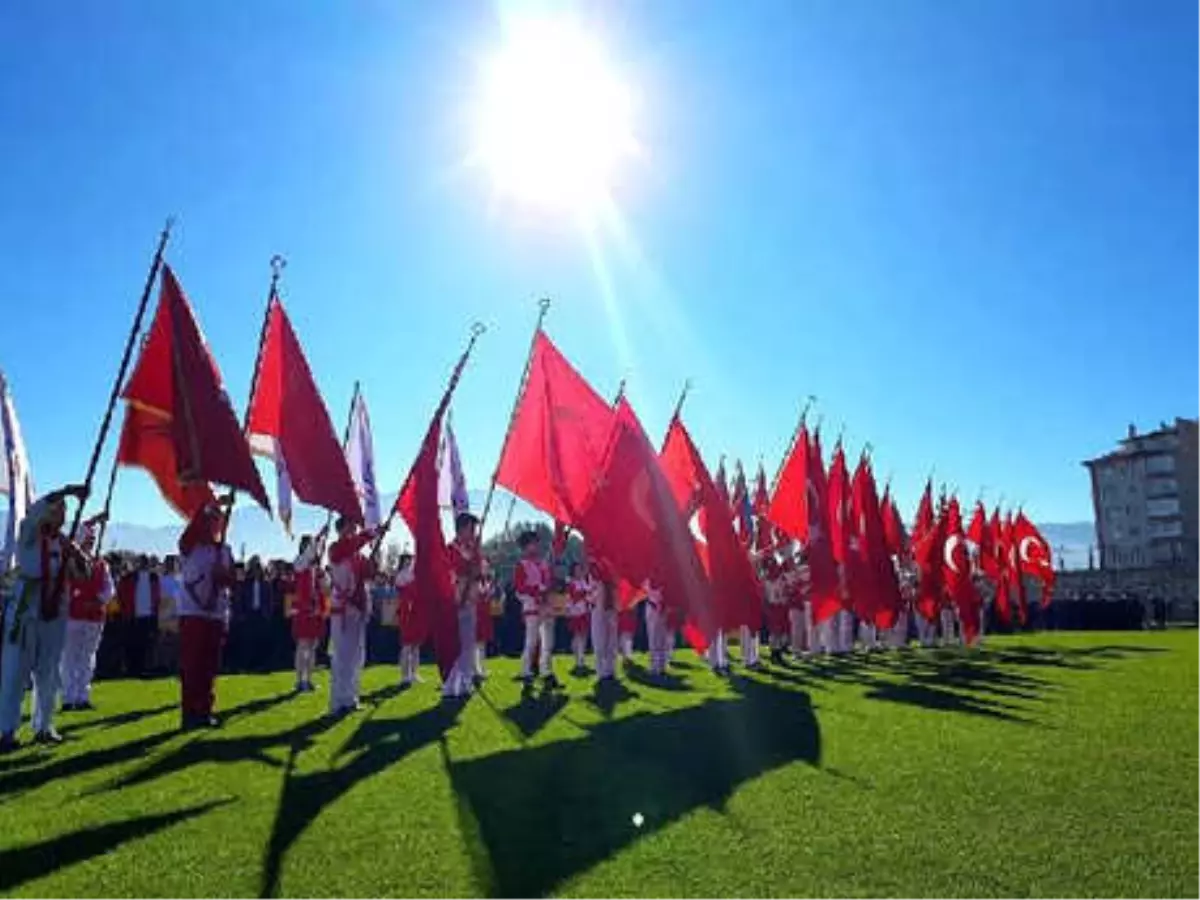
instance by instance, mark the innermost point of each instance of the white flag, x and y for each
(16, 480)
(283, 489)
(452, 485)
(360, 455)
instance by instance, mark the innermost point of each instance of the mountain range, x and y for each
(254, 532)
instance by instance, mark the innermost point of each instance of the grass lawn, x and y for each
(1056, 764)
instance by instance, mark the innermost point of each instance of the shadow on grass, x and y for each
(103, 723)
(541, 815)
(534, 711)
(922, 695)
(23, 864)
(303, 797)
(608, 695)
(665, 682)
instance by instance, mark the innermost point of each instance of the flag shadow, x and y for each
(303, 797)
(26, 863)
(538, 816)
(665, 682)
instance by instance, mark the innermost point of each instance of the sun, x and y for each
(554, 122)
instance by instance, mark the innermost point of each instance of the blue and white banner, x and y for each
(360, 455)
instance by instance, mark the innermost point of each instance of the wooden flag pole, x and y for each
(543, 306)
(477, 329)
(278, 264)
(115, 393)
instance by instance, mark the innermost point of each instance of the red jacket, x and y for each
(86, 604)
(127, 594)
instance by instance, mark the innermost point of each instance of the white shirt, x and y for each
(143, 604)
(201, 597)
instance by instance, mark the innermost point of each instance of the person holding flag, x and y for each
(467, 569)
(350, 572)
(532, 585)
(308, 619)
(601, 600)
(207, 575)
(85, 622)
(410, 616)
(579, 618)
(35, 618)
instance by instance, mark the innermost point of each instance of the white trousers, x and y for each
(925, 631)
(801, 638)
(579, 648)
(539, 633)
(749, 638)
(898, 636)
(480, 656)
(604, 641)
(37, 652)
(410, 660)
(868, 634)
(79, 659)
(461, 680)
(306, 661)
(348, 649)
(949, 633)
(845, 631)
(625, 645)
(718, 651)
(657, 636)
(823, 636)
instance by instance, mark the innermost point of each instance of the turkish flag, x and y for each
(559, 436)
(839, 505)
(736, 590)
(1033, 554)
(788, 507)
(825, 589)
(924, 520)
(928, 555)
(960, 586)
(893, 527)
(632, 521)
(877, 573)
(146, 441)
(286, 407)
(179, 424)
(433, 582)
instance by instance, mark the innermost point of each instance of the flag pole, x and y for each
(114, 395)
(543, 306)
(687, 387)
(477, 329)
(346, 441)
(787, 454)
(278, 264)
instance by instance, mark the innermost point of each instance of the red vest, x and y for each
(85, 605)
(127, 594)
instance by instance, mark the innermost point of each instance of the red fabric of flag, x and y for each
(960, 586)
(196, 437)
(1033, 554)
(878, 574)
(558, 438)
(893, 527)
(736, 590)
(924, 520)
(632, 521)
(286, 406)
(433, 581)
(928, 555)
(825, 591)
(788, 507)
(839, 505)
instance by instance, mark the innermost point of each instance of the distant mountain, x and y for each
(258, 534)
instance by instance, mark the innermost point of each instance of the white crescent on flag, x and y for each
(948, 552)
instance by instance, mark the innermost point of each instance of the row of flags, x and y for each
(654, 518)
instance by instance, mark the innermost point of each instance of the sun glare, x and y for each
(554, 120)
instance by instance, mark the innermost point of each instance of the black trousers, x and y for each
(139, 639)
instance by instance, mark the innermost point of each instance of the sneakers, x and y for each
(552, 683)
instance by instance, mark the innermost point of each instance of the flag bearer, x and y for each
(717, 653)
(350, 571)
(602, 602)
(307, 612)
(533, 588)
(207, 575)
(658, 632)
(775, 588)
(467, 565)
(626, 629)
(85, 623)
(799, 610)
(410, 616)
(35, 619)
(579, 614)
(485, 625)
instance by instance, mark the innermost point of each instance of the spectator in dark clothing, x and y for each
(255, 609)
(139, 593)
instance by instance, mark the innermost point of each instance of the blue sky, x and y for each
(969, 228)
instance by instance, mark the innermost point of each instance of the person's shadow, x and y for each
(543, 814)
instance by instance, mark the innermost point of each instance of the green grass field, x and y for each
(1061, 764)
